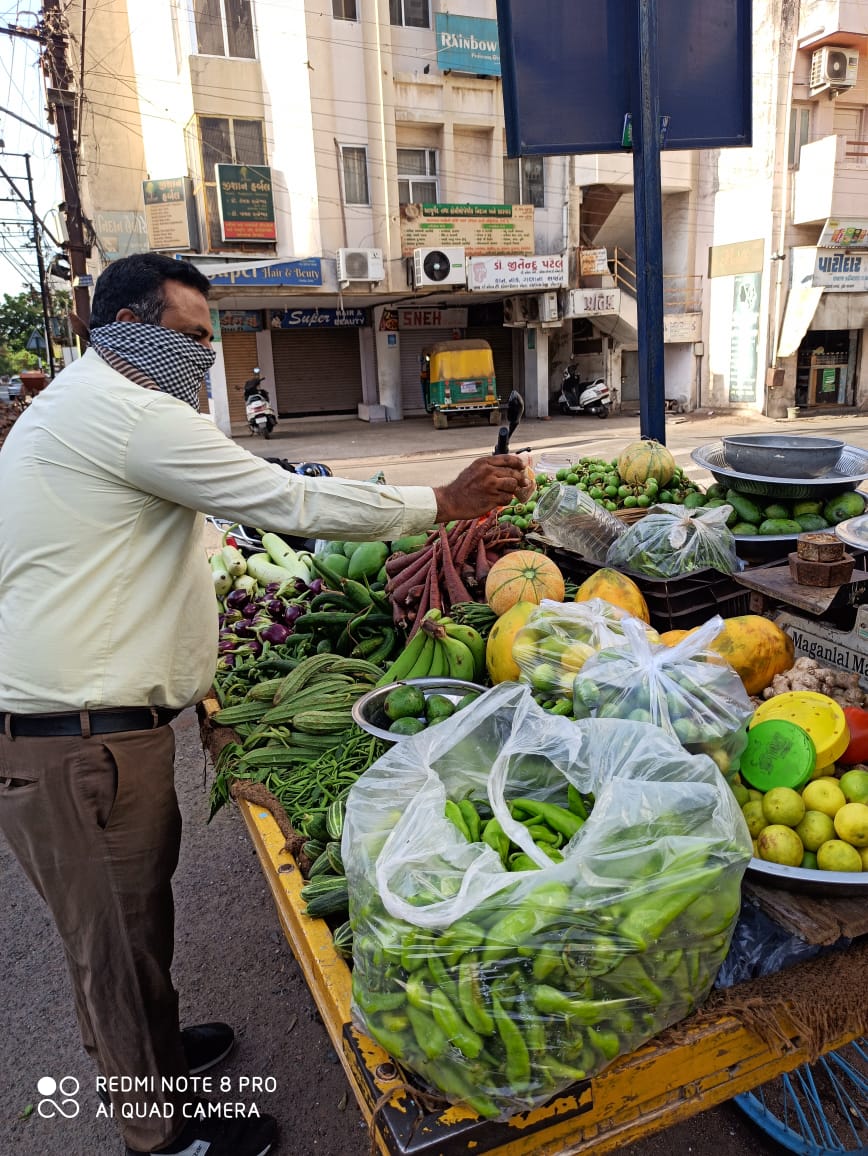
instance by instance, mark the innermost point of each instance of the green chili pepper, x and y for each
(454, 815)
(394, 1043)
(429, 1036)
(550, 1001)
(559, 1071)
(558, 818)
(518, 861)
(396, 1021)
(517, 1055)
(605, 1041)
(546, 961)
(372, 1002)
(470, 998)
(460, 937)
(631, 978)
(504, 935)
(459, 1033)
(471, 819)
(575, 802)
(414, 950)
(542, 834)
(440, 976)
(496, 838)
(451, 1079)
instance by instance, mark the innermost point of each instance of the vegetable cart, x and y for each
(741, 1038)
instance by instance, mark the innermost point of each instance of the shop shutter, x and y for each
(413, 341)
(240, 358)
(317, 371)
(499, 337)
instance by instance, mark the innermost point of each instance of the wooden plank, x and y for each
(821, 920)
(775, 581)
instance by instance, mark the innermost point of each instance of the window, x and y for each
(229, 141)
(224, 28)
(523, 181)
(354, 162)
(344, 9)
(800, 130)
(409, 13)
(417, 177)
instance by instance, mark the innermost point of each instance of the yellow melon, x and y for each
(522, 576)
(640, 461)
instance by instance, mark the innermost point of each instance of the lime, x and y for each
(854, 784)
(809, 860)
(851, 824)
(823, 795)
(815, 829)
(780, 844)
(836, 855)
(754, 817)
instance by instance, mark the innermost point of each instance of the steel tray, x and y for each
(807, 881)
(851, 469)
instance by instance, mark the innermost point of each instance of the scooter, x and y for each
(583, 396)
(257, 408)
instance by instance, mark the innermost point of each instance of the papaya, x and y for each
(673, 637)
(616, 589)
(501, 666)
(756, 648)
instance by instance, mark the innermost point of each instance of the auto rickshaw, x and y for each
(458, 378)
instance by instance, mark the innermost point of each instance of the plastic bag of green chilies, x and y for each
(501, 988)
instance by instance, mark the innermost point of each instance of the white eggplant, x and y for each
(282, 554)
(220, 576)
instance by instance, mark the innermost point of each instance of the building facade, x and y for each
(338, 170)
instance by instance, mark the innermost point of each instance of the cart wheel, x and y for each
(818, 1109)
(494, 417)
(440, 420)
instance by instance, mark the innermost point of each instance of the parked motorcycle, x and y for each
(581, 397)
(257, 407)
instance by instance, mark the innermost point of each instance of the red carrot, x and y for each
(483, 564)
(398, 562)
(468, 543)
(401, 582)
(455, 588)
(424, 604)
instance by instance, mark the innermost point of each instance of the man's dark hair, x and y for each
(136, 283)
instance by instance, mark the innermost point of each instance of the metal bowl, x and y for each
(780, 456)
(850, 470)
(368, 712)
(808, 881)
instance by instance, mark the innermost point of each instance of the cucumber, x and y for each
(776, 511)
(747, 510)
(779, 526)
(812, 522)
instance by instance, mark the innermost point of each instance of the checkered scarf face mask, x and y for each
(155, 357)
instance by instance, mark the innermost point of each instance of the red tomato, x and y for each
(857, 722)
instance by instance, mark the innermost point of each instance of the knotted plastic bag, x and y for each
(672, 540)
(499, 966)
(559, 637)
(691, 693)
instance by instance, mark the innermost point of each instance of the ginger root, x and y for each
(806, 674)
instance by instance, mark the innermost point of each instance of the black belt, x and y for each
(100, 722)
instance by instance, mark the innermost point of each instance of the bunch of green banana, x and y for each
(440, 648)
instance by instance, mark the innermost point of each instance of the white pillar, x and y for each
(218, 392)
(388, 345)
(536, 372)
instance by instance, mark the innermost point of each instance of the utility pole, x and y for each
(40, 265)
(62, 110)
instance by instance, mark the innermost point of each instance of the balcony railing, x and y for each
(855, 152)
(682, 292)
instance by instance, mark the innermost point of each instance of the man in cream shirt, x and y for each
(108, 628)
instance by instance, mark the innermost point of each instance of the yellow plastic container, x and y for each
(815, 713)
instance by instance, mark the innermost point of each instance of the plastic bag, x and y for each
(559, 637)
(692, 695)
(672, 540)
(502, 987)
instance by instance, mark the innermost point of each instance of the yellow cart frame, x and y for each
(702, 1063)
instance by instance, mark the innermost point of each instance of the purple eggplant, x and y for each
(315, 586)
(237, 599)
(291, 613)
(275, 634)
(276, 607)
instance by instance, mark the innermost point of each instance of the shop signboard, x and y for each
(241, 320)
(844, 233)
(743, 353)
(593, 262)
(467, 44)
(682, 327)
(569, 72)
(306, 272)
(593, 302)
(245, 202)
(479, 229)
(120, 232)
(430, 318)
(509, 272)
(170, 213)
(737, 257)
(319, 318)
(840, 272)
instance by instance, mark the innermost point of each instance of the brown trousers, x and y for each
(95, 824)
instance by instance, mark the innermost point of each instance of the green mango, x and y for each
(844, 506)
(367, 560)
(409, 543)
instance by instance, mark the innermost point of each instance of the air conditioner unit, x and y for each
(833, 67)
(439, 266)
(360, 265)
(547, 307)
(515, 312)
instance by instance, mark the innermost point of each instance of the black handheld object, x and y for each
(514, 410)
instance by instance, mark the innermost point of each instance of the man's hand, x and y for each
(487, 482)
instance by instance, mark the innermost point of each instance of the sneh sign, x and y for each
(245, 202)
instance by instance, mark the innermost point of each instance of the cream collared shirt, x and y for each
(106, 597)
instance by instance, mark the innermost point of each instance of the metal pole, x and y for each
(649, 226)
(40, 265)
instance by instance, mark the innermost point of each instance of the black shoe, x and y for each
(204, 1046)
(221, 1138)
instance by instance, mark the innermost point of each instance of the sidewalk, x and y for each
(412, 452)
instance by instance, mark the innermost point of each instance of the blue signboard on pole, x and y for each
(467, 44)
(569, 73)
